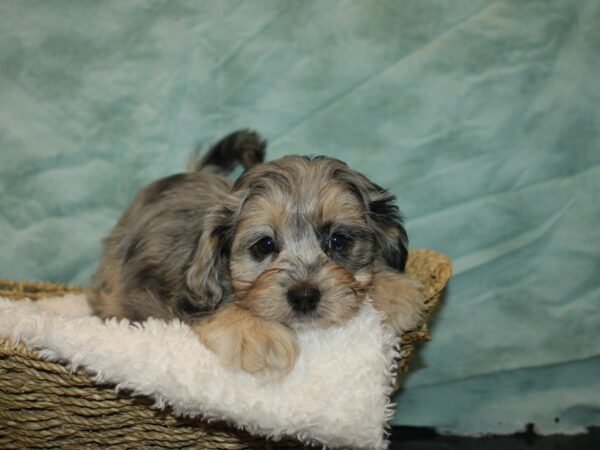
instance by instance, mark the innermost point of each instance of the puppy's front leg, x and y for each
(243, 340)
(399, 297)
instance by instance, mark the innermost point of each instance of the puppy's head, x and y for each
(302, 241)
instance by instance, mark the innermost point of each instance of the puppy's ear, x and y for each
(389, 228)
(384, 218)
(207, 276)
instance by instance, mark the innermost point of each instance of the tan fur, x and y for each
(337, 204)
(245, 341)
(399, 297)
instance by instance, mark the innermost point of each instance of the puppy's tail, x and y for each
(244, 147)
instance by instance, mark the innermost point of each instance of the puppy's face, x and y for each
(306, 238)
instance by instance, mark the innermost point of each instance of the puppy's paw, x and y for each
(406, 312)
(244, 341)
(268, 347)
(401, 299)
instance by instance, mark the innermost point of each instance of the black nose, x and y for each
(304, 299)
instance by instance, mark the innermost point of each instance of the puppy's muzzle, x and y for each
(304, 299)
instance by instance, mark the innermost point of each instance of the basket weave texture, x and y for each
(44, 405)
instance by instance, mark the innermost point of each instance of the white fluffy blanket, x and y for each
(336, 395)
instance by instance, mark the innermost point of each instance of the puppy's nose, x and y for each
(304, 299)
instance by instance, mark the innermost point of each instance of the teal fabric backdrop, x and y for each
(481, 116)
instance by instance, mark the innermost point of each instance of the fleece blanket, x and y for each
(337, 394)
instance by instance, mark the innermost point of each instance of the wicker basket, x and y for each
(44, 405)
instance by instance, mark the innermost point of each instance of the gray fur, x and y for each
(161, 259)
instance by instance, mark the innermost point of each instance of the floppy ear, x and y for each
(389, 228)
(207, 276)
(384, 218)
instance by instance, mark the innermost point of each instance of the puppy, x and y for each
(291, 243)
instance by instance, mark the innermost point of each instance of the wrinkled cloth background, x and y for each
(481, 116)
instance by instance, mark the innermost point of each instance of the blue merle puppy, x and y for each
(295, 242)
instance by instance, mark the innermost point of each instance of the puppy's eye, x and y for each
(338, 242)
(265, 246)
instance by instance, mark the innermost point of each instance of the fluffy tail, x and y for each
(244, 147)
